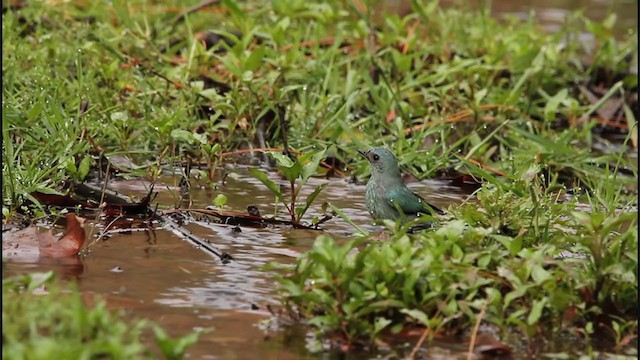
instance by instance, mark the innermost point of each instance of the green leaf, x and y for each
(515, 246)
(311, 167)
(48, 190)
(456, 253)
(416, 314)
(536, 311)
(291, 170)
(281, 159)
(484, 260)
(632, 124)
(310, 200)
(552, 105)
(174, 349)
(255, 59)
(275, 188)
(233, 6)
(344, 217)
(85, 166)
(512, 295)
(119, 116)
(220, 200)
(452, 230)
(36, 280)
(379, 324)
(230, 62)
(540, 275)
(215, 149)
(201, 138)
(583, 218)
(479, 95)
(184, 135)
(70, 166)
(611, 223)
(290, 288)
(323, 252)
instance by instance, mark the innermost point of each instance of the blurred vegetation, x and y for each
(43, 319)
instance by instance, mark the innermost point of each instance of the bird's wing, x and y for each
(409, 202)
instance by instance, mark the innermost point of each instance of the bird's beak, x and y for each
(362, 153)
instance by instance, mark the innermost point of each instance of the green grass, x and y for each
(139, 75)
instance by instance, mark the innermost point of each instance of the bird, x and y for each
(387, 196)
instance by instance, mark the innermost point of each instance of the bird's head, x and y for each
(382, 161)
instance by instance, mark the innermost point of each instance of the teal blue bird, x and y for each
(387, 196)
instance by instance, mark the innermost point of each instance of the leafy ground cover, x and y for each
(545, 122)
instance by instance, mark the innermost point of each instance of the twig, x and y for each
(101, 208)
(486, 167)
(474, 334)
(244, 151)
(103, 233)
(225, 216)
(225, 257)
(463, 115)
(323, 220)
(415, 349)
(284, 128)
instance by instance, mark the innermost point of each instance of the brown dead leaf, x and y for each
(59, 200)
(487, 344)
(21, 245)
(610, 106)
(627, 339)
(70, 242)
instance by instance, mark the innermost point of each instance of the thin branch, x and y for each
(474, 334)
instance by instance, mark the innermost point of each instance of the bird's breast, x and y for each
(376, 201)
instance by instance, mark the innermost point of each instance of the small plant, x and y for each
(297, 173)
(220, 201)
(174, 349)
(204, 149)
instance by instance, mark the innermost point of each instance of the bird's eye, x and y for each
(376, 157)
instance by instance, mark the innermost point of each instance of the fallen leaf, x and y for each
(70, 242)
(391, 115)
(627, 339)
(21, 245)
(487, 344)
(59, 200)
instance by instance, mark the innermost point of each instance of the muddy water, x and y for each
(154, 274)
